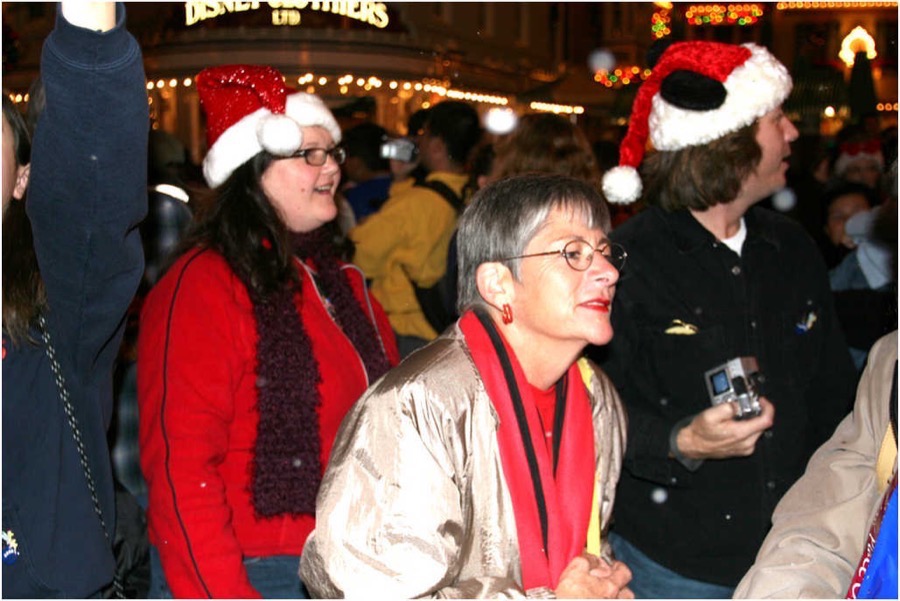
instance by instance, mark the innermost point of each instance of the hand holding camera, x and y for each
(738, 416)
(716, 434)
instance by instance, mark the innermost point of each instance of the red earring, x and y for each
(507, 314)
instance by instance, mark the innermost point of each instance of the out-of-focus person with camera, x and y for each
(402, 154)
(402, 248)
(727, 352)
(485, 465)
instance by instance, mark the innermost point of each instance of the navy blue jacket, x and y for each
(86, 196)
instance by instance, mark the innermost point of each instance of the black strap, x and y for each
(446, 192)
(69, 409)
(559, 417)
(893, 402)
(522, 420)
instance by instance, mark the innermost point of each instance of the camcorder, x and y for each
(736, 381)
(399, 149)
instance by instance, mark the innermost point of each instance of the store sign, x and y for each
(289, 13)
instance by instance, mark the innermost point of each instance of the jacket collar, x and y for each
(690, 236)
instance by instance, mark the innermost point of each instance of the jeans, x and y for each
(653, 581)
(275, 577)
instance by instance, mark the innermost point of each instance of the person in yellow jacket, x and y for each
(405, 243)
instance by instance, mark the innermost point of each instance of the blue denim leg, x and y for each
(159, 589)
(653, 581)
(276, 576)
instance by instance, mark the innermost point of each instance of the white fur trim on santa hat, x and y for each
(622, 185)
(845, 160)
(261, 130)
(308, 110)
(753, 89)
(237, 145)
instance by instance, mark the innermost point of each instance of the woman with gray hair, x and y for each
(485, 465)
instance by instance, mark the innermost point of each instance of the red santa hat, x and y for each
(697, 92)
(250, 109)
(861, 150)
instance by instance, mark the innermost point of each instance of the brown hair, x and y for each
(546, 143)
(699, 177)
(23, 289)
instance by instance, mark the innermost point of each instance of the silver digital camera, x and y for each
(400, 149)
(736, 381)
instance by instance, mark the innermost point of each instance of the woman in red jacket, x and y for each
(252, 347)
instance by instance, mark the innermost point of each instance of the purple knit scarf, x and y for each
(287, 469)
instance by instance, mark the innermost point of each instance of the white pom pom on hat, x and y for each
(249, 109)
(622, 185)
(755, 82)
(279, 134)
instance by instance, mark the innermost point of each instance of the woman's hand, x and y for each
(715, 434)
(588, 577)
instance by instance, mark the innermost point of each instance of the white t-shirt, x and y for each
(736, 242)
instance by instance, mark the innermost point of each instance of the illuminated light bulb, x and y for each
(500, 121)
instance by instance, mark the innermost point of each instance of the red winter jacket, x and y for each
(198, 418)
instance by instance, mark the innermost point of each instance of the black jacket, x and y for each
(86, 196)
(772, 302)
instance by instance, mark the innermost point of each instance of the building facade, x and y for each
(384, 60)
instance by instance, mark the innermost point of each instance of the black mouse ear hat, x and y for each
(696, 93)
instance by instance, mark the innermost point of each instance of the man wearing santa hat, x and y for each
(714, 278)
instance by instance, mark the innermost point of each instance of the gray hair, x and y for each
(505, 216)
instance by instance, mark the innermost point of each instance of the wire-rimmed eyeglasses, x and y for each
(316, 157)
(579, 254)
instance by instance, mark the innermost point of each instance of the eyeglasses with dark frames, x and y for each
(316, 157)
(579, 254)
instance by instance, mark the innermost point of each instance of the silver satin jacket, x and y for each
(414, 501)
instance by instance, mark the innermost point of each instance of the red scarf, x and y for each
(567, 495)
